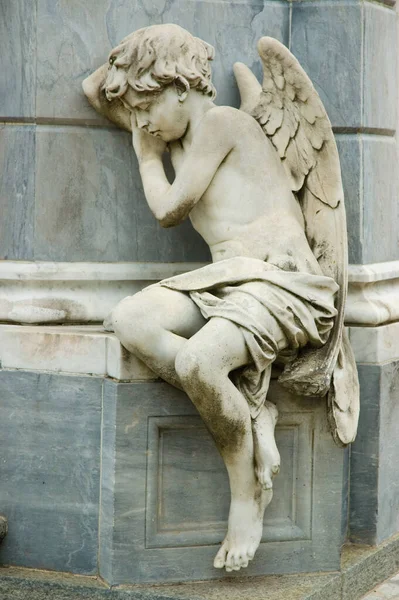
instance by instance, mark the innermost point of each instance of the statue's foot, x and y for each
(267, 456)
(244, 531)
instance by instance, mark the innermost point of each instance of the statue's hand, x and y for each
(147, 146)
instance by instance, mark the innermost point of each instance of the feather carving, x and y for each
(293, 117)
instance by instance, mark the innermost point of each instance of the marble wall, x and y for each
(50, 436)
(79, 195)
(75, 192)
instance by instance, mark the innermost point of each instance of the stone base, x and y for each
(362, 568)
(123, 481)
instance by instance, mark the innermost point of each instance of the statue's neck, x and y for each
(198, 107)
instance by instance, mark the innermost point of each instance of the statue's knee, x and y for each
(192, 367)
(129, 320)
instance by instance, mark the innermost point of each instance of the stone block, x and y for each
(50, 431)
(375, 345)
(93, 208)
(374, 502)
(74, 39)
(326, 38)
(380, 75)
(380, 202)
(18, 51)
(87, 350)
(370, 180)
(17, 189)
(347, 49)
(350, 154)
(165, 496)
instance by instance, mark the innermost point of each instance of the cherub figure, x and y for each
(262, 186)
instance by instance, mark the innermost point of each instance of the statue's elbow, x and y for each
(170, 219)
(167, 222)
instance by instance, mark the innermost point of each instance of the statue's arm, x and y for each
(172, 203)
(114, 110)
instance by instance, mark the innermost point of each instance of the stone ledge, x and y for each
(51, 292)
(89, 350)
(79, 350)
(375, 345)
(362, 568)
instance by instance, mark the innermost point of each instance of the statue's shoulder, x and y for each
(222, 118)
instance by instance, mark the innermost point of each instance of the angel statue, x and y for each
(262, 186)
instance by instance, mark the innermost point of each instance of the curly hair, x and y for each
(156, 56)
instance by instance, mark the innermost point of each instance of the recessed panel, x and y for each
(188, 492)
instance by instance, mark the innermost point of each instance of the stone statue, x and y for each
(262, 185)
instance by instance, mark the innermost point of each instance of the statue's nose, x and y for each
(112, 90)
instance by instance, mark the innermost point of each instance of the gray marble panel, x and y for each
(75, 37)
(374, 512)
(72, 42)
(388, 514)
(370, 179)
(381, 207)
(18, 52)
(50, 432)
(17, 191)
(165, 500)
(350, 154)
(327, 40)
(90, 204)
(365, 459)
(380, 75)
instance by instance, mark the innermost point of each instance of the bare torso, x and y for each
(248, 209)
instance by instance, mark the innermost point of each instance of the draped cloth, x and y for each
(277, 311)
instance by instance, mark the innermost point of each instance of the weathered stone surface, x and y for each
(20, 583)
(380, 76)
(375, 345)
(369, 173)
(18, 51)
(164, 489)
(50, 470)
(74, 38)
(350, 154)
(364, 567)
(374, 507)
(326, 38)
(93, 208)
(17, 188)
(361, 569)
(357, 90)
(380, 201)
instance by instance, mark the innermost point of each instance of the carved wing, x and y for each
(293, 117)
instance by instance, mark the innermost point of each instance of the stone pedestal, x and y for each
(165, 492)
(123, 479)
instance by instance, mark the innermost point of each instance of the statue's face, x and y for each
(162, 114)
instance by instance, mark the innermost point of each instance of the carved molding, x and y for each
(50, 292)
(373, 297)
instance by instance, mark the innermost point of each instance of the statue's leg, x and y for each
(154, 324)
(267, 456)
(203, 365)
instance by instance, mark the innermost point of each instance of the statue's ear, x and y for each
(182, 87)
